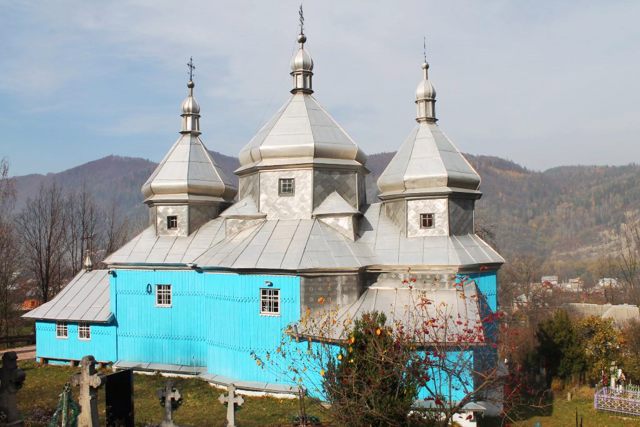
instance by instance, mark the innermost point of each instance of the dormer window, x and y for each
(286, 186)
(172, 222)
(427, 220)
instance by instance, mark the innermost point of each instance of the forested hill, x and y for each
(566, 212)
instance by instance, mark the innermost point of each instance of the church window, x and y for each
(270, 302)
(61, 330)
(286, 186)
(427, 220)
(84, 331)
(163, 295)
(172, 222)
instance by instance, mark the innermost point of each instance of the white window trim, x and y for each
(170, 295)
(433, 220)
(88, 328)
(66, 330)
(270, 313)
(293, 187)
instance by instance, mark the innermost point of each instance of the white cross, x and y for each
(89, 381)
(231, 401)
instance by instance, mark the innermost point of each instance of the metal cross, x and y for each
(424, 48)
(231, 400)
(191, 67)
(89, 381)
(301, 14)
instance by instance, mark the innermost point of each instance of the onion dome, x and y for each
(302, 68)
(188, 172)
(301, 132)
(190, 112)
(427, 163)
(426, 97)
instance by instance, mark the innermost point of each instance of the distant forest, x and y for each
(565, 217)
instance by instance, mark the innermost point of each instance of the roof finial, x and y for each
(301, 63)
(301, 15)
(191, 68)
(425, 93)
(87, 263)
(190, 108)
(424, 48)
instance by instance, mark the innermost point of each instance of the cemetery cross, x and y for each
(231, 401)
(11, 379)
(88, 381)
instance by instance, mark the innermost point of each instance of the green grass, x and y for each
(562, 413)
(39, 396)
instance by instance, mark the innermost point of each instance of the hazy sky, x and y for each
(543, 83)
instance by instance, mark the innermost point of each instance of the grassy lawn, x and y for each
(563, 413)
(39, 397)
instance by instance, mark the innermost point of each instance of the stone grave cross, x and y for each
(11, 379)
(231, 399)
(88, 381)
(171, 399)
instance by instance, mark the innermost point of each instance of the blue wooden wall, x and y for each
(488, 286)
(102, 344)
(214, 320)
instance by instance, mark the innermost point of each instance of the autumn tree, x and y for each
(628, 261)
(82, 226)
(42, 224)
(9, 251)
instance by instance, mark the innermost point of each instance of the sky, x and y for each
(542, 83)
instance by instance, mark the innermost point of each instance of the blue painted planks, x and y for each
(102, 344)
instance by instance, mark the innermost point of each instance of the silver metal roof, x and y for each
(301, 132)
(427, 163)
(245, 208)
(84, 299)
(148, 248)
(188, 172)
(301, 244)
(452, 309)
(335, 204)
(393, 248)
(306, 244)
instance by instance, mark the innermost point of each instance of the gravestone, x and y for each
(11, 380)
(88, 381)
(171, 399)
(119, 399)
(231, 400)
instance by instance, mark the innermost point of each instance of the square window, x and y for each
(286, 186)
(427, 220)
(61, 330)
(172, 222)
(270, 302)
(84, 331)
(163, 295)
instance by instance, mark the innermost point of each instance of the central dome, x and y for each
(301, 132)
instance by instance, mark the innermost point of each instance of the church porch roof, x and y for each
(85, 299)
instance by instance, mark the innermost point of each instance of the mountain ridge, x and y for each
(568, 211)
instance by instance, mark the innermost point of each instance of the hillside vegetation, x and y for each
(570, 212)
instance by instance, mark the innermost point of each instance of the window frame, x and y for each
(81, 329)
(170, 221)
(270, 296)
(161, 295)
(62, 326)
(430, 216)
(282, 181)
